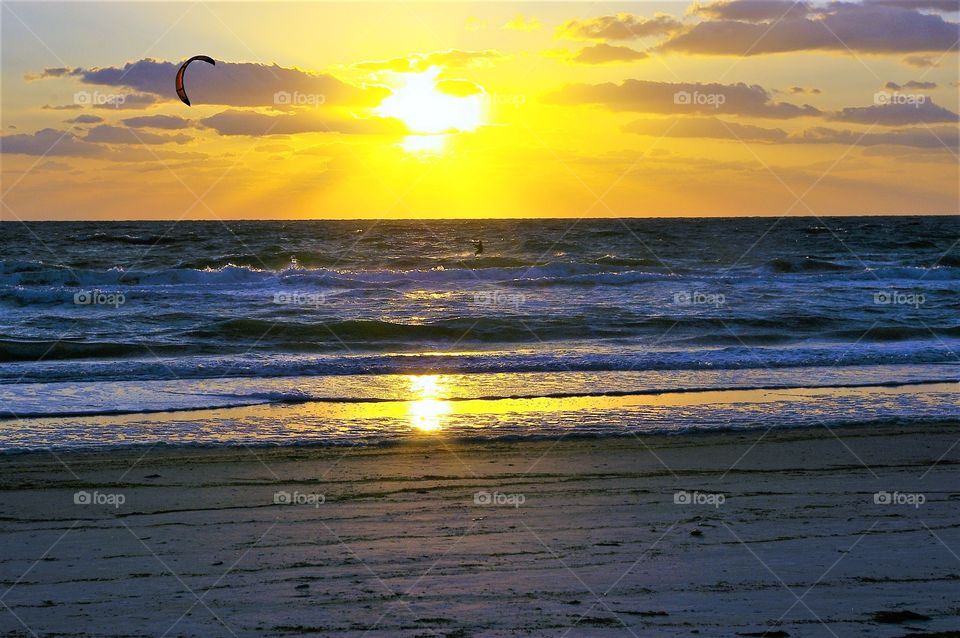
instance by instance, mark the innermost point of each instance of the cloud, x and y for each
(932, 138)
(921, 61)
(54, 143)
(237, 122)
(48, 142)
(705, 127)
(932, 5)
(603, 53)
(912, 84)
(227, 83)
(85, 119)
(805, 90)
(893, 111)
(451, 59)
(474, 23)
(841, 26)
(753, 10)
(681, 97)
(714, 128)
(520, 23)
(169, 122)
(458, 88)
(127, 101)
(622, 26)
(54, 72)
(61, 107)
(108, 134)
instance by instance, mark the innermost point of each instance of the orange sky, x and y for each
(752, 107)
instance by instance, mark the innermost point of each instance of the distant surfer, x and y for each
(478, 245)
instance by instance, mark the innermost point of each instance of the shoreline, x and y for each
(548, 416)
(599, 546)
(707, 391)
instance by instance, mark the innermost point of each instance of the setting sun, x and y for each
(420, 103)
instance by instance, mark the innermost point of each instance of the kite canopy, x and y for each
(183, 67)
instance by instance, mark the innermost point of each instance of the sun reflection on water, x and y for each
(427, 412)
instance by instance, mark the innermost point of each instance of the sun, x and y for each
(418, 103)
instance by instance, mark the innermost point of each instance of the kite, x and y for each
(180, 90)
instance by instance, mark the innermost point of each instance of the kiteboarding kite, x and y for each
(180, 90)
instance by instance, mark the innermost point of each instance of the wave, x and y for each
(134, 240)
(805, 264)
(279, 270)
(32, 366)
(33, 274)
(36, 350)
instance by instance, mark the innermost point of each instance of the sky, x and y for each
(482, 109)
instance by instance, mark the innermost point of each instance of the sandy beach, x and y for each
(788, 533)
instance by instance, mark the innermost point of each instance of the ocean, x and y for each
(304, 332)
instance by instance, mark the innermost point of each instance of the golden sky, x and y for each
(454, 109)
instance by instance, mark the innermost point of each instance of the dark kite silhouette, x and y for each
(180, 90)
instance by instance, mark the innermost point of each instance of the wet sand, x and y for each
(779, 533)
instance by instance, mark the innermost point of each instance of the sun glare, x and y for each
(427, 412)
(418, 103)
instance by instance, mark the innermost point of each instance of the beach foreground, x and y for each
(792, 533)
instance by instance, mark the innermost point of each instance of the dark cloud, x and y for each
(603, 53)
(681, 97)
(53, 143)
(921, 5)
(932, 138)
(85, 119)
(107, 134)
(227, 83)
(49, 142)
(804, 90)
(705, 127)
(53, 72)
(753, 10)
(622, 26)
(912, 84)
(237, 122)
(451, 59)
(713, 128)
(897, 110)
(841, 26)
(168, 122)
